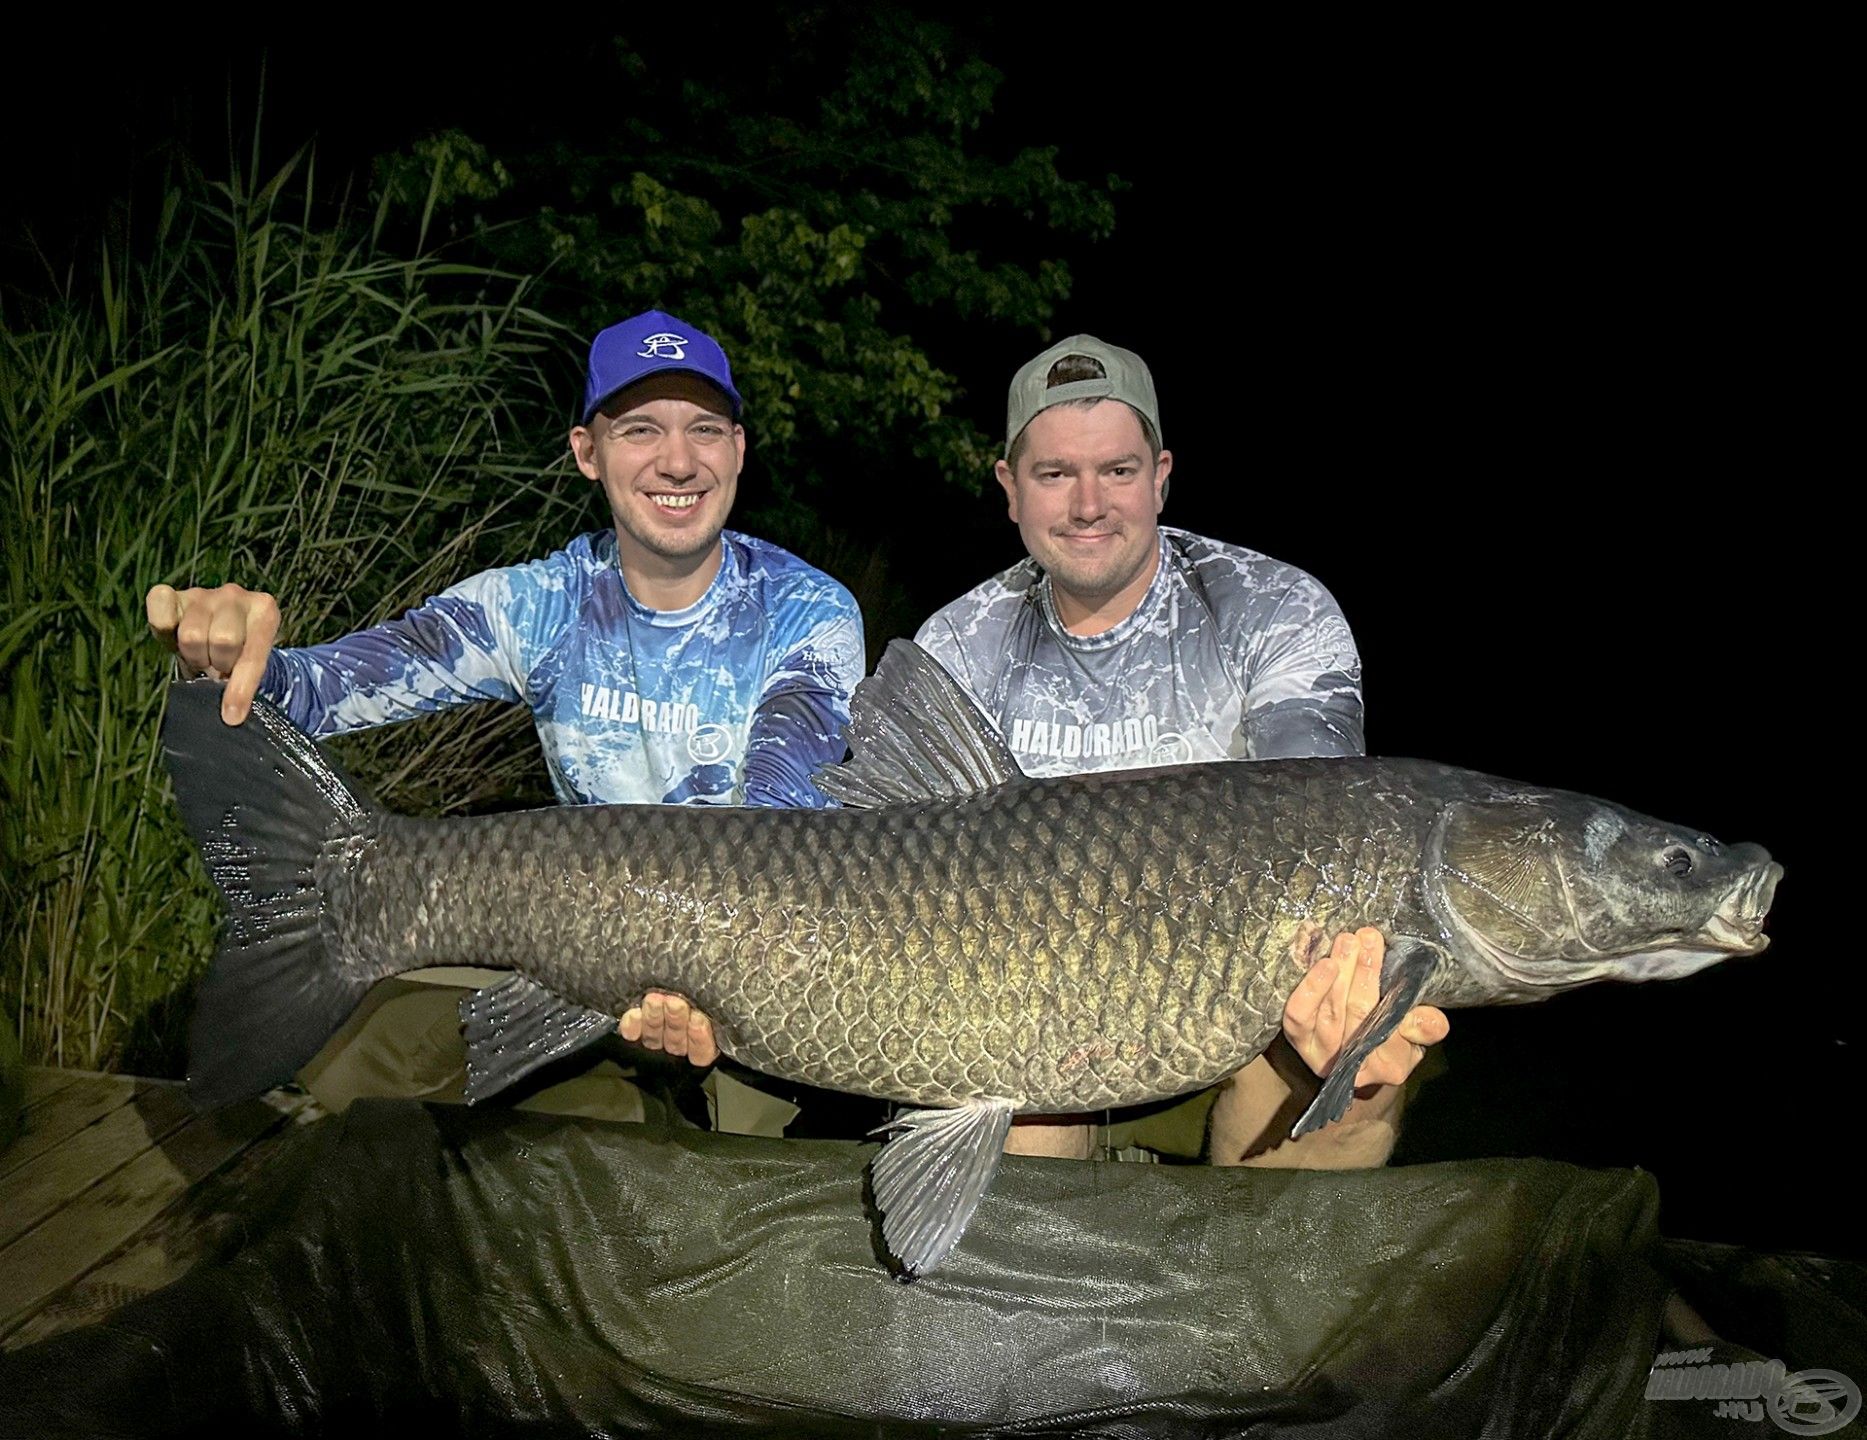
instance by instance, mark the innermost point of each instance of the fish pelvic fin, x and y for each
(915, 734)
(265, 805)
(1405, 974)
(517, 1025)
(928, 1180)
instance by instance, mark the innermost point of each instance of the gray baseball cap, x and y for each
(1124, 378)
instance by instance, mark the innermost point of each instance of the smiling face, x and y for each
(1086, 495)
(668, 455)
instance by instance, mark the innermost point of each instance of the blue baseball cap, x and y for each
(648, 344)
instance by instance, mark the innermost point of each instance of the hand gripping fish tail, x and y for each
(960, 938)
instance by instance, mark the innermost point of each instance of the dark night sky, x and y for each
(1509, 344)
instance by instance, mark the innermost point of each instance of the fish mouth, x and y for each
(1736, 927)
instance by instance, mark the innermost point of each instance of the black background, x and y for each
(1523, 343)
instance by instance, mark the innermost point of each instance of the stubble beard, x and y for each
(1087, 578)
(683, 546)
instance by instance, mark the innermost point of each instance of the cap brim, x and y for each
(734, 403)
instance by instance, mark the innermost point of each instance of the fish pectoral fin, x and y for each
(929, 1178)
(1405, 972)
(517, 1025)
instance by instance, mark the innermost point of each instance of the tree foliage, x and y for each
(827, 194)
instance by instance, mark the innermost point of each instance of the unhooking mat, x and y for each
(434, 1269)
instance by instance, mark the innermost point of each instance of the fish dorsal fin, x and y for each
(930, 1177)
(915, 735)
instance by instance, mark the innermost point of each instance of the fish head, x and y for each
(1540, 892)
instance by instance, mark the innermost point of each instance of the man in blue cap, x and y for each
(664, 659)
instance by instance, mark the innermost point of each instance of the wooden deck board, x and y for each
(50, 1122)
(31, 1192)
(43, 1081)
(126, 1200)
(210, 1223)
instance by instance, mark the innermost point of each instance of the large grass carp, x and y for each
(959, 937)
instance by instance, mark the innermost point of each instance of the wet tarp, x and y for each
(517, 1273)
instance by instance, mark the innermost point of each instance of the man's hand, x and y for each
(1342, 986)
(1251, 1119)
(668, 1022)
(226, 632)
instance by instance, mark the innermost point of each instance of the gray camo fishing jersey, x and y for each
(1230, 655)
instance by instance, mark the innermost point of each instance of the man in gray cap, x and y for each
(1121, 643)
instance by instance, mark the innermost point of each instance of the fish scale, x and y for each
(961, 966)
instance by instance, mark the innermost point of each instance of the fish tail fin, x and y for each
(271, 815)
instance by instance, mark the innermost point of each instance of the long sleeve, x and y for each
(803, 710)
(1304, 681)
(474, 641)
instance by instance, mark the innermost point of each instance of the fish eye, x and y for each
(1677, 859)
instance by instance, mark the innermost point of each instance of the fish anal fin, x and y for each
(517, 1025)
(929, 1178)
(1405, 973)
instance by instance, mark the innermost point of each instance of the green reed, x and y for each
(253, 388)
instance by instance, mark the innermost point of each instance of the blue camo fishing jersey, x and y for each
(737, 699)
